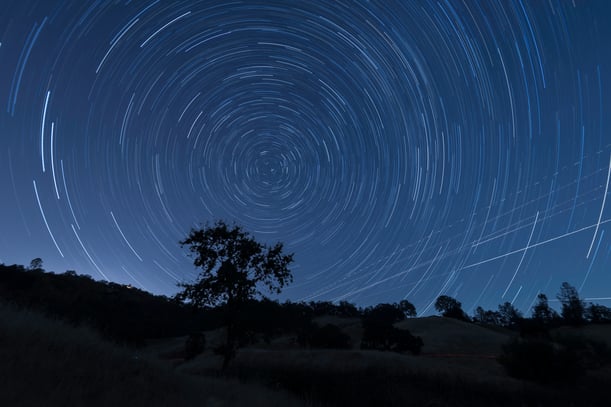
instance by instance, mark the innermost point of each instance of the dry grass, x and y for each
(457, 372)
(49, 363)
(452, 336)
(597, 332)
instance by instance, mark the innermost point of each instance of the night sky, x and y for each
(401, 149)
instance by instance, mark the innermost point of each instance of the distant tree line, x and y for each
(574, 311)
(542, 351)
(234, 268)
(121, 313)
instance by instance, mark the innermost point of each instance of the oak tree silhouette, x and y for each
(234, 267)
(450, 308)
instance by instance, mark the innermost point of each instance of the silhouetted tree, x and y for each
(509, 316)
(379, 332)
(542, 312)
(384, 313)
(347, 310)
(487, 317)
(36, 264)
(597, 314)
(573, 307)
(407, 308)
(320, 308)
(234, 267)
(450, 308)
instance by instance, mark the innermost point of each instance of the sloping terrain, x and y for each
(451, 336)
(49, 363)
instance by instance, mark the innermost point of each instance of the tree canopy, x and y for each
(234, 266)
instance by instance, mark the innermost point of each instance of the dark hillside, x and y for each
(120, 312)
(47, 362)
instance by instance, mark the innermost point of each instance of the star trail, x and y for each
(401, 149)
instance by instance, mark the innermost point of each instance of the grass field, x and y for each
(48, 363)
(45, 362)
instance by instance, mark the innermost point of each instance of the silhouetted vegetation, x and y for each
(328, 336)
(506, 316)
(540, 361)
(450, 307)
(555, 352)
(195, 345)
(543, 313)
(234, 266)
(598, 314)
(47, 362)
(573, 308)
(379, 333)
(563, 359)
(120, 312)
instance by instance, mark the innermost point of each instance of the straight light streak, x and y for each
(602, 208)
(45, 219)
(500, 256)
(523, 255)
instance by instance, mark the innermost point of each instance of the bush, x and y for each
(405, 341)
(590, 353)
(329, 337)
(540, 361)
(194, 345)
(385, 337)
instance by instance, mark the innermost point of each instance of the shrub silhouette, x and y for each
(564, 359)
(598, 314)
(540, 361)
(195, 345)
(591, 354)
(379, 332)
(384, 314)
(404, 341)
(329, 336)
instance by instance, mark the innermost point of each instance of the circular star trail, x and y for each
(400, 149)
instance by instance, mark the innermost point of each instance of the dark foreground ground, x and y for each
(46, 362)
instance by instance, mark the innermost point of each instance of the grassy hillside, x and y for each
(45, 361)
(49, 363)
(452, 336)
(459, 370)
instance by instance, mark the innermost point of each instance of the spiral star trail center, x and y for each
(400, 149)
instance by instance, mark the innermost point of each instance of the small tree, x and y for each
(596, 313)
(573, 308)
(234, 269)
(542, 312)
(408, 308)
(450, 308)
(36, 264)
(487, 317)
(509, 315)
